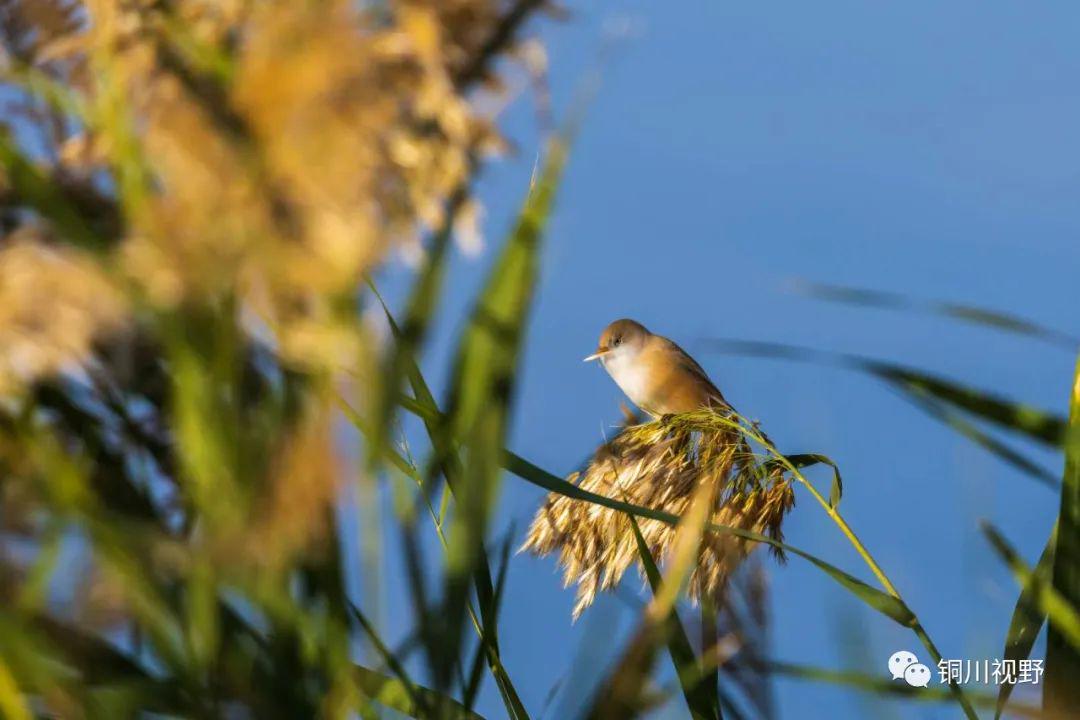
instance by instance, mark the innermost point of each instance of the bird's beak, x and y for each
(600, 352)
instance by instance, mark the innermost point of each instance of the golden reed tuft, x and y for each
(660, 465)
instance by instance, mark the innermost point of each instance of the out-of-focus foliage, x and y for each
(270, 152)
(191, 196)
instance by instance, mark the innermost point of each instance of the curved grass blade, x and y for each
(994, 319)
(410, 336)
(452, 469)
(392, 693)
(805, 460)
(400, 692)
(1061, 695)
(1027, 619)
(408, 343)
(703, 705)
(1036, 424)
(955, 420)
(936, 397)
(1063, 616)
(388, 657)
(478, 409)
(489, 617)
(1039, 425)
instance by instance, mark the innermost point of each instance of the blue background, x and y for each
(924, 148)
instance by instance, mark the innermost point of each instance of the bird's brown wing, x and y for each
(683, 359)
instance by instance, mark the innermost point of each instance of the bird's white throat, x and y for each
(631, 375)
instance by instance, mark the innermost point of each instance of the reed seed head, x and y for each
(660, 465)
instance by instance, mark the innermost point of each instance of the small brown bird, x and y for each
(655, 373)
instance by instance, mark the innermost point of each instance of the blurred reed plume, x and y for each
(662, 465)
(52, 299)
(270, 152)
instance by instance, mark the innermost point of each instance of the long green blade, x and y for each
(393, 693)
(994, 319)
(1027, 618)
(949, 403)
(703, 705)
(1036, 424)
(452, 469)
(410, 336)
(1061, 694)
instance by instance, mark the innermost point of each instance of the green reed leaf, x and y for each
(703, 705)
(1064, 616)
(405, 684)
(1061, 694)
(393, 693)
(481, 392)
(428, 411)
(410, 335)
(805, 460)
(1036, 424)
(994, 319)
(1027, 618)
(941, 399)
(958, 422)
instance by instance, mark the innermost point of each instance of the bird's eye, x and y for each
(616, 342)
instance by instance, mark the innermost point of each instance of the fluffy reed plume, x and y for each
(270, 152)
(52, 299)
(660, 465)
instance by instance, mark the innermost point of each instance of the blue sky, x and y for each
(923, 148)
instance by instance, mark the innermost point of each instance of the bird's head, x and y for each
(622, 338)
